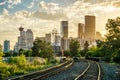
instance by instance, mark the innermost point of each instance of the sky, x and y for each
(42, 16)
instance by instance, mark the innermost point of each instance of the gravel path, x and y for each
(70, 73)
(109, 71)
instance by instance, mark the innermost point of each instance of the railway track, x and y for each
(70, 73)
(44, 73)
(92, 72)
(83, 70)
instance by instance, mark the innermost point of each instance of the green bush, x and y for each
(39, 61)
(54, 61)
(19, 66)
(4, 70)
(116, 59)
(19, 60)
(20, 72)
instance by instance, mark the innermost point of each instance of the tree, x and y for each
(93, 52)
(0, 48)
(86, 46)
(28, 53)
(74, 48)
(113, 36)
(67, 53)
(42, 48)
(103, 48)
(21, 51)
(7, 54)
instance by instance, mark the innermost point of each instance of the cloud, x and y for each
(116, 4)
(48, 16)
(48, 6)
(5, 12)
(22, 14)
(11, 3)
(3, 3)
(14, 2)
(31, 5)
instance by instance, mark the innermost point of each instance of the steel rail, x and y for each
(22, 77)
(87, 68)
(53, 72)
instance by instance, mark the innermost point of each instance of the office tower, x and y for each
(80, 30)
(48, 37)
(16, 47)
(64, 33)
(22, 39)
(25, 40)
(64, 29)
(6, 46)
(90, 27)
(29, 38)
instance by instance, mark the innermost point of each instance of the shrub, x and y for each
(19, 60)
(4, 70)
(53, 61)
(39, 61)
(20, 72)
(116, 59)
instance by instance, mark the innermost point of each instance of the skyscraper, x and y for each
(64, 33)
(25, 40)
(29, 38)
(6, 46)
(64, 29)
(80, 30)
(90, 27)
(22, 39)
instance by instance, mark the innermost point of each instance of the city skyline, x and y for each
(44, 15)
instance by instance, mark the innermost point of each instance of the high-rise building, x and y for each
(90, 27)
(80, 30)
(64, 29)
(48, 37)
(29, 38)
(25, 40)
(22, 43)
(64, 33)
(6, 46)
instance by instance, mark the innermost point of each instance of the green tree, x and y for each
(67, 53)
(74, 48)
(21, 51)
(42, 48)
(15, 54)
(86, 45)
(7, 54)
(1, 53)
(113, 36)
(103, 48)
(93, 52)
(28, 53)
(0, 48)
